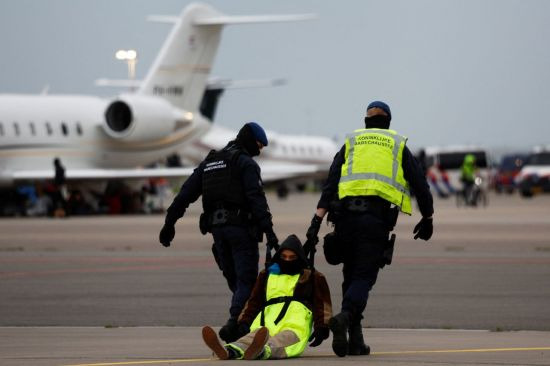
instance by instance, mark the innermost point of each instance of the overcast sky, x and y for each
(453, 71)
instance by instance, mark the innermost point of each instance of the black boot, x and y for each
(339, 326)
(230, 331)
(357, 346)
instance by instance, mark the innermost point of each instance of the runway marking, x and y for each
(146, 362)
(464, 350)
(473, 350)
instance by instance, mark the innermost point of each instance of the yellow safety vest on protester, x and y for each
(298, 318)
(372, 167)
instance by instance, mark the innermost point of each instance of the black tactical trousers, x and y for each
(238, 258)
(363, 238)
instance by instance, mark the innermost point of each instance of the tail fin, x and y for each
(180, 72)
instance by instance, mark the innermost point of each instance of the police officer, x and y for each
(235, 212)
(372, 176)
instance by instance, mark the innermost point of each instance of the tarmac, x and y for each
(102, 291)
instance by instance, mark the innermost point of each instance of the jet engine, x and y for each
(136, 118)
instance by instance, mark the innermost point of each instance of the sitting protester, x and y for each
(277, 319)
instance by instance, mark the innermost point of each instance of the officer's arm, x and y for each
(255, 302)
(190, 191)
(322, 305)
(254, 192)
(415, 176)
(330, 188)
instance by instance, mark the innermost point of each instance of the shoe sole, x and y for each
(257, 346)
(339, 339)
(210, 338)
(359, 351)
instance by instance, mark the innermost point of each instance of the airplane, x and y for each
(289, 158)
(102, 139)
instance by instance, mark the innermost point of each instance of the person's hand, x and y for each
(318, 336)
(314, 228)
(271, 240)
(166, 235)
(424, 229)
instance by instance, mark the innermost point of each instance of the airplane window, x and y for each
(49, 130)
(64, 129)
(31, 127)
(16, 128)
(78, 129)
(1, 129)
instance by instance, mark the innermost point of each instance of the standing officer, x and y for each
(371, 178)
(235, 212)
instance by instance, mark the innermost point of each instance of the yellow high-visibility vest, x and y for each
(372, 167)
(298, 318)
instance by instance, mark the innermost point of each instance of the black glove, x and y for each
(424, 229)
(166, 235)
(230, 331)
(243, 329)
(313, 230)
(271, 240)
(318, 336)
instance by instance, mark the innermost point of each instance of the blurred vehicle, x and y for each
(506, 172)
(448, 161)
(534, 177)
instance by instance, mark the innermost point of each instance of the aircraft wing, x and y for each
(98, 174)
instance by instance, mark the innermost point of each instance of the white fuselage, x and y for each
(34, 129)
(288, 149)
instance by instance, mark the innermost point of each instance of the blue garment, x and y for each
(256, 202)
(237, 250)
(29, 191)
(362, 237)
(238, 257)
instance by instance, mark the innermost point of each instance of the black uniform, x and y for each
(235, 212)
(363, 235)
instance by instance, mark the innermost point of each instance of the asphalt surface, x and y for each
(485, 269)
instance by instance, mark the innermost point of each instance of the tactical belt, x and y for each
(286, 300)
(223, 216)
(367, 204)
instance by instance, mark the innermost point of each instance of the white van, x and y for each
(447, 161)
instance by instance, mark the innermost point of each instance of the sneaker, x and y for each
(211, 340)
(339, 326)
(258, 343)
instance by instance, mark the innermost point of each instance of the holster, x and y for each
(204, 223)
(217, 257)
(392, 215)
(332, 249)
(387, 255)
(335, 211)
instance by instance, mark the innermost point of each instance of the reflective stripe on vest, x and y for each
(397, 191)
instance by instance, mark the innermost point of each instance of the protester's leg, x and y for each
(278, 343)
(252, 345)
